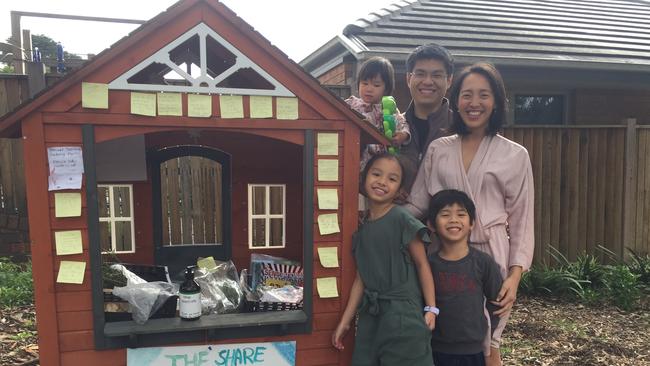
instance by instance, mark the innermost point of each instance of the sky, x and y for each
(297, 27)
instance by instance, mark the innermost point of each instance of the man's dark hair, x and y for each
(378, 66)
(448, 197)
(431, 51)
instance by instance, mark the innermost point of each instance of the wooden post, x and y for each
(629, 185)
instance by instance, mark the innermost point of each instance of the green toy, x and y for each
(389, 108)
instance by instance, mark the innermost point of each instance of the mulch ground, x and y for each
(541, 331)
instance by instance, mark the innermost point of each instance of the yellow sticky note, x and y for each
(68, 242)
(199, 105)
(286, 108)
(143, 104)
(169, 104)
(207, 263)
(261, 106)
(329, 257)
(94, 95)
(328, 170)
(71, 272)
(67, 204)
(328, 144)
(327, 287)
(231, 106)
(328, 224)
(328, 198)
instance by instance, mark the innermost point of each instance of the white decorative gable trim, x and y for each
(203, 82)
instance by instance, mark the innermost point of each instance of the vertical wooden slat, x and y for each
(7, 174)
(545, 186)
(19, 177)
(186, 200)
(537, 162)
(610, 204)
(583, 188)
(217, 175)
(592, 197)
(164, 200)
(174, 201)
(198, 191)
(572, 193)
(601, 187)
(556, 187)
(207, 204)
(645, 220)
(619, 192)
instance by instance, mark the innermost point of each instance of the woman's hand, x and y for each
(508, 293)
(338, 335)
(430, 320)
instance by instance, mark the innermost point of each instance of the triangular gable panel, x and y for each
(200, 61)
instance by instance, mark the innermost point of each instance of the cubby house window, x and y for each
(539, 109)
(266, 216)
(116, 232)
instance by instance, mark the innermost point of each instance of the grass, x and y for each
(590, 281)
(15, 283)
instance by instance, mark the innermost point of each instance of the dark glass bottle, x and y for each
(189, 297)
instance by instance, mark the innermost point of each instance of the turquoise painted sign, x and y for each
(241, 354)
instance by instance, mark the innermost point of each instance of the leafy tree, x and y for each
(7, 69)
(47, 46)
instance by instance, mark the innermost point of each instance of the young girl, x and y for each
(496, 174)
(376, 79)
(394, 327)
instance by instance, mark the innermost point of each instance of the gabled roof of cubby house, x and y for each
(10, 122)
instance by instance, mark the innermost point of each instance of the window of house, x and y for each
(116, 233)
(539, 109)
(266, 216)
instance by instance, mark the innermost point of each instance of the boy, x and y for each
(466, 279)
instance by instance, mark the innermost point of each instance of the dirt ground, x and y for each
(542, 331)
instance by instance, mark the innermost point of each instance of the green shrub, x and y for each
(622, 287)
(640, 265)
(15, 284)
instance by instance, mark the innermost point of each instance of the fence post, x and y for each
(629, 186)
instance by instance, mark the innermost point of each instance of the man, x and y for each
(429, 70)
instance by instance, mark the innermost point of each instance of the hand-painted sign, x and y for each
(241, 354)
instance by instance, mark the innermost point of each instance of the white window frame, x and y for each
(267, 215)
(112, 219)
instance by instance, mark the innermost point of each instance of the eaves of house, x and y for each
(579, 34)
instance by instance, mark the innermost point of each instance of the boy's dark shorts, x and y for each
(446, 359)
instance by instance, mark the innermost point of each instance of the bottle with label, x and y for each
(189, 297)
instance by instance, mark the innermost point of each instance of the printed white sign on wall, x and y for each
(256, 354)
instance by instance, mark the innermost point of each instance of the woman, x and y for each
(495, 172)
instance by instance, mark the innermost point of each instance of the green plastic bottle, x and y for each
(189, 297)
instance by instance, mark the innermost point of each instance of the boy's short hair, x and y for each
(448, 197)
(428, 52)
(378, 66)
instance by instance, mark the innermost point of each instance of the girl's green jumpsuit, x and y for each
(391, 330)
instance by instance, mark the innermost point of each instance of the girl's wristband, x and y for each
(432, 309)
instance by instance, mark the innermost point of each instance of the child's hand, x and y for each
(399, 138)
(430, 320)
(338, 335)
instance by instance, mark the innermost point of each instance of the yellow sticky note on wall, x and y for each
(327, 287)
(329, 257)
(328, 170)
(328, 144)
(286, 108)
(71, 272)
(328, 198)
(199, 105)
(143, 104)
(67, 204)
(94, 95)
(169, 104)
(328, 224)
(68, 242)
(231, 106)
(261, 106)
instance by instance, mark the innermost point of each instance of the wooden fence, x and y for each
(592, 188)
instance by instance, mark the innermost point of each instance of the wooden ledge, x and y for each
(206, 322)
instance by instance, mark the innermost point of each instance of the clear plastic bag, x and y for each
(146, 298)
(220, 289)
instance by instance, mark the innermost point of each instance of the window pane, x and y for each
(539, 109)
(275, 237)
(259, 228)
(123, 236)
(103, 201)
(259, 200)
(122, 201)
(105, 236)
(276, 200)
